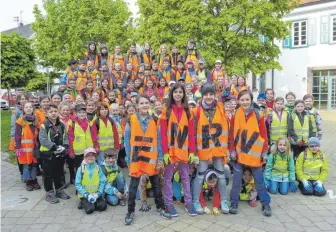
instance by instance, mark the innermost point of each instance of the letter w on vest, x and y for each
(181, 136)
(246, 145)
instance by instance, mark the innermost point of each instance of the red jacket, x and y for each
(115, 132)
(262, 128)
(84, 124)
(178, 110)
(216, 203)
(270, 104)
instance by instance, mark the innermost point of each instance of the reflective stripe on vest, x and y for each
(143, 148)
(212, 137)
(24, 141)
(27, 139)
(90, 185)
(279, 128)
(312, 165)
(248, 141)
(105, 135)
(280, 166)
(313, 119)
(111, 175)
(301, 131)
(82, 139)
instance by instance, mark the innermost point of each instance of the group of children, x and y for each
(176, 127)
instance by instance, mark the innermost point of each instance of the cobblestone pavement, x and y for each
(28, 211)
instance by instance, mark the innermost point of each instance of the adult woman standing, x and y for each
(248, 146)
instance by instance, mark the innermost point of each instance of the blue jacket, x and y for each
(144, 124)
(90, 167)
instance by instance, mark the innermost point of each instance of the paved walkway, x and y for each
(28, 211)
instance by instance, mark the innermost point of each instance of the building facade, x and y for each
(308, 55)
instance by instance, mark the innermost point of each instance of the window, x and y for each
(333, 29)
(299, 33)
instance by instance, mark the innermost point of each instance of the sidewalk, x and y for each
(28, 211)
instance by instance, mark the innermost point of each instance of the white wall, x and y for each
(295, 61)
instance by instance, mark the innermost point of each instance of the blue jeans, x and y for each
(29, 172)
(314, 192)
(258, 176)
(177, 190)
(118, 183)
(284, 186)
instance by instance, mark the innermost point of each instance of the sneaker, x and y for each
(129, 219)
(225, 206)
(191, 209)
(51, 197)
(122, 202)
(198, 207)
(36, 185)
(61, 194)
(29, 186)
(172, 211)
(80, 205)
(266, 210)
(164, 213)
(233, 208)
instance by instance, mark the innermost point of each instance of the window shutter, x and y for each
(287, 42)
(312, 31)
(324, 29)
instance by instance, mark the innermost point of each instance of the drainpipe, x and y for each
(272, 78)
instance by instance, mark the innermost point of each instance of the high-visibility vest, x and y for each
(70, 73)
(51, 134)
(202, 74)
(118, 59)
(93, 76)
(167, 56)
(94, 58)
(107, 59)
(280, 165)
(248, 141)
(312, 164)
(212, 137)
(279, 128)
(147, 58)
(91, 185)
(135, 60)
(244, 194)
(81, 79)
(28, 142)
(178, 138)
(82, 138)
(144, 153)
(105, 134)
(312, 114)
(110, 174)
(187, 76)
(167, 75)
(235, 92)
(302, 131)
(192, 56)
(215, 74)
(175, 57)
(178, 75)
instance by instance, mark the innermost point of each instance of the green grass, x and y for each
(5, 134)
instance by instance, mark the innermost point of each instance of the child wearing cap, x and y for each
(116, 190)
(90, 183)
(203, 73)
(81, 135)
(312, 169)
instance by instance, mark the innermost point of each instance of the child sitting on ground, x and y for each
(248, 191)
(90, 183)
(280, 169)
(116, 189)
(210, 182)
(312, 169)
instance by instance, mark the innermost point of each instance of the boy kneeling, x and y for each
(116, 188)
(90, 183)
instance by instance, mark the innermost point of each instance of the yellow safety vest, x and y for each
(105, 135)
(110, 174)
(82, 139)
(312, 165)
(279, 128)
(301, 131)
(90, 185)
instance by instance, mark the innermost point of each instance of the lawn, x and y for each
(5, 134)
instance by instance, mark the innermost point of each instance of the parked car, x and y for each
(10, 99)
(4, 104)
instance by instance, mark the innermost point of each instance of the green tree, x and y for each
(67, 26)
(230, 30)
(39, 81)
(17, 61)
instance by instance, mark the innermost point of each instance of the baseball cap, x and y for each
(90, 150)
(218, 61)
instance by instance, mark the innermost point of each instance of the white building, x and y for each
(308, 55)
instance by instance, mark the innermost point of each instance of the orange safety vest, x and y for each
(178, 75)
(212, 137)
(192, 56)
(235, 92)
(28, 142)
(178, 139)
(93, 75)
(248, 141)
(96, 59)
(70, 73)
(134, 59)
(81, 80)
(161, 61)
(108, 60)
(216, 74)
(144, 153)
(146, 58)
(167, 75)
(118, 59)
(187, 76)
